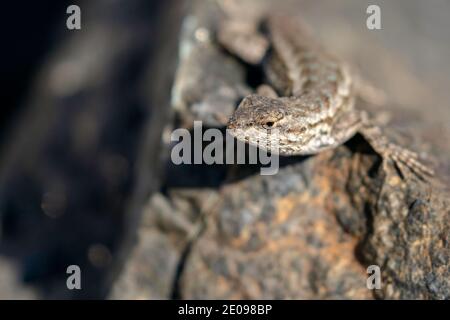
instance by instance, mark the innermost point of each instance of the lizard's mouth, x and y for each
(253, 136)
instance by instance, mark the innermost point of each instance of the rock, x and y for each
(407, 235)
(99, 180)
(66, 172)
(208, 81)
(272, 238)
(312, 230)
(152, 264)
(10, 286)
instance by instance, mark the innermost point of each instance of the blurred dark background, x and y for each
(29, 29)
(74, 104)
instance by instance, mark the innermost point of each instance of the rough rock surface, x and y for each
(87, 177)
(272, 238)
(311, 230)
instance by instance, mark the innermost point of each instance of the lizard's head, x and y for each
(261, 120)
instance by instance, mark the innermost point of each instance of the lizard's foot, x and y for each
(403, 157)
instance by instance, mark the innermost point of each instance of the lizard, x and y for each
(309, 99)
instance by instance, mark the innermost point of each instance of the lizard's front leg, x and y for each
(401, 156)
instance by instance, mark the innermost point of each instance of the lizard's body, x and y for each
(311, 98)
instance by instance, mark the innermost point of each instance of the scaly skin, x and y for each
(316, 109)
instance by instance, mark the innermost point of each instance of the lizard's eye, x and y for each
(268, 121)
(268, 124)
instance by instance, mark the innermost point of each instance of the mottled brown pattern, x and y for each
(290, 248)
(319, 96)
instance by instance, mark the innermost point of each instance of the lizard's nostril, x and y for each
(268, 124)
